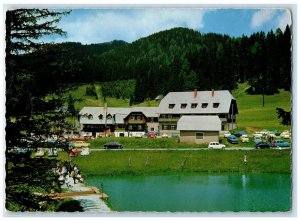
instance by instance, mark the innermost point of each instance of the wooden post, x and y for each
(182, 164)
(147, 161)
(129, 161)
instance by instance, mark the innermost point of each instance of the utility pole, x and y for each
(105, 107)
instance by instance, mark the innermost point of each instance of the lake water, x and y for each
(197, 192)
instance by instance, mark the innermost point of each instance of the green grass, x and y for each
(138, 143)
(253, 116)
(117, 162)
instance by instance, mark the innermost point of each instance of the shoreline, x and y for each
(89, 197)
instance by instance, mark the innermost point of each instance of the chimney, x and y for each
(212, 92)
(195, 93)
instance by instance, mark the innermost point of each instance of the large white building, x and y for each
(163, 119)
(195, 103)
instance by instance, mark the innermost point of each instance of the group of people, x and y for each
(69, 171)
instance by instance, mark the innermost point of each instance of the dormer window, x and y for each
(90, 117)
(108, 117)
(100, 117)
(194, 105)
(216, 105)
(171, 106)
(204, 105)
(183, 106)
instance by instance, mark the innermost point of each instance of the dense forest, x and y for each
(178, 59)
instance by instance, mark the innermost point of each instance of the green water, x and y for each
(194, 192)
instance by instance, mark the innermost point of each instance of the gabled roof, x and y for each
(199, 123)
(223, 97)
(118, 113)
(147, 111)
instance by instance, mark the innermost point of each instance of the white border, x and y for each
(166, 3)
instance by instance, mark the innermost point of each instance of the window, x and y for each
(139, 117)
(108, 116)
(130, 127)
(131, 117)
(194, 105)
(204, 105)
(139, 127)
(216, 105)
(163, 116)
(100, 117)
(171, 106)
(90, 117)
(173, 127)
(183, 106)
(165, 127)
(199, 135)
(152, 129)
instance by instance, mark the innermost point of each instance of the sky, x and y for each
(103, 25)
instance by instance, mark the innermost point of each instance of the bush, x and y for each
(69, 206)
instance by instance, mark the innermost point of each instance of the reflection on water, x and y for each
(197, 192)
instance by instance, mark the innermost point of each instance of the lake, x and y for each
(197, 192)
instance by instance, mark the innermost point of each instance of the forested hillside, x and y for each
(178, 59)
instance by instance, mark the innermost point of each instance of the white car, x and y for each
(285, 134)
(257, 134)
(164, 136)
(226, 134)
(216, 145)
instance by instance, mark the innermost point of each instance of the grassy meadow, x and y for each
(154, 162)
(253, 116)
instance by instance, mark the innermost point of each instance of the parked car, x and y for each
(280, 143)
(257, 139)
(232, 139)
(244, 138)
(276, 132)
(226, 134)
(264, 132)
(79, 144)
(257, 134)
(175, 136)
(164, 136)
(85, 151)
(262, 145)
(73, 152)
(285, 134)
(216, 145)
(113, 145)
(239, 133)
(151, 135)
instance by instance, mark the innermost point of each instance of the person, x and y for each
(73, 175)
(245, 159)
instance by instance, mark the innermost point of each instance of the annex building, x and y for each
(175, 110)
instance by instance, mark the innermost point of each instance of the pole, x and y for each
(232, 116)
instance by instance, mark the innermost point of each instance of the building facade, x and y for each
(163, 119)
(199, 129)
(197, 103)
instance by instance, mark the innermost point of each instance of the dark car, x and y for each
(239, 133)
(232, 139)
(113, 145)
(262, 145)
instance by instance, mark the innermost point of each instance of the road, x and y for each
(181, 149)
